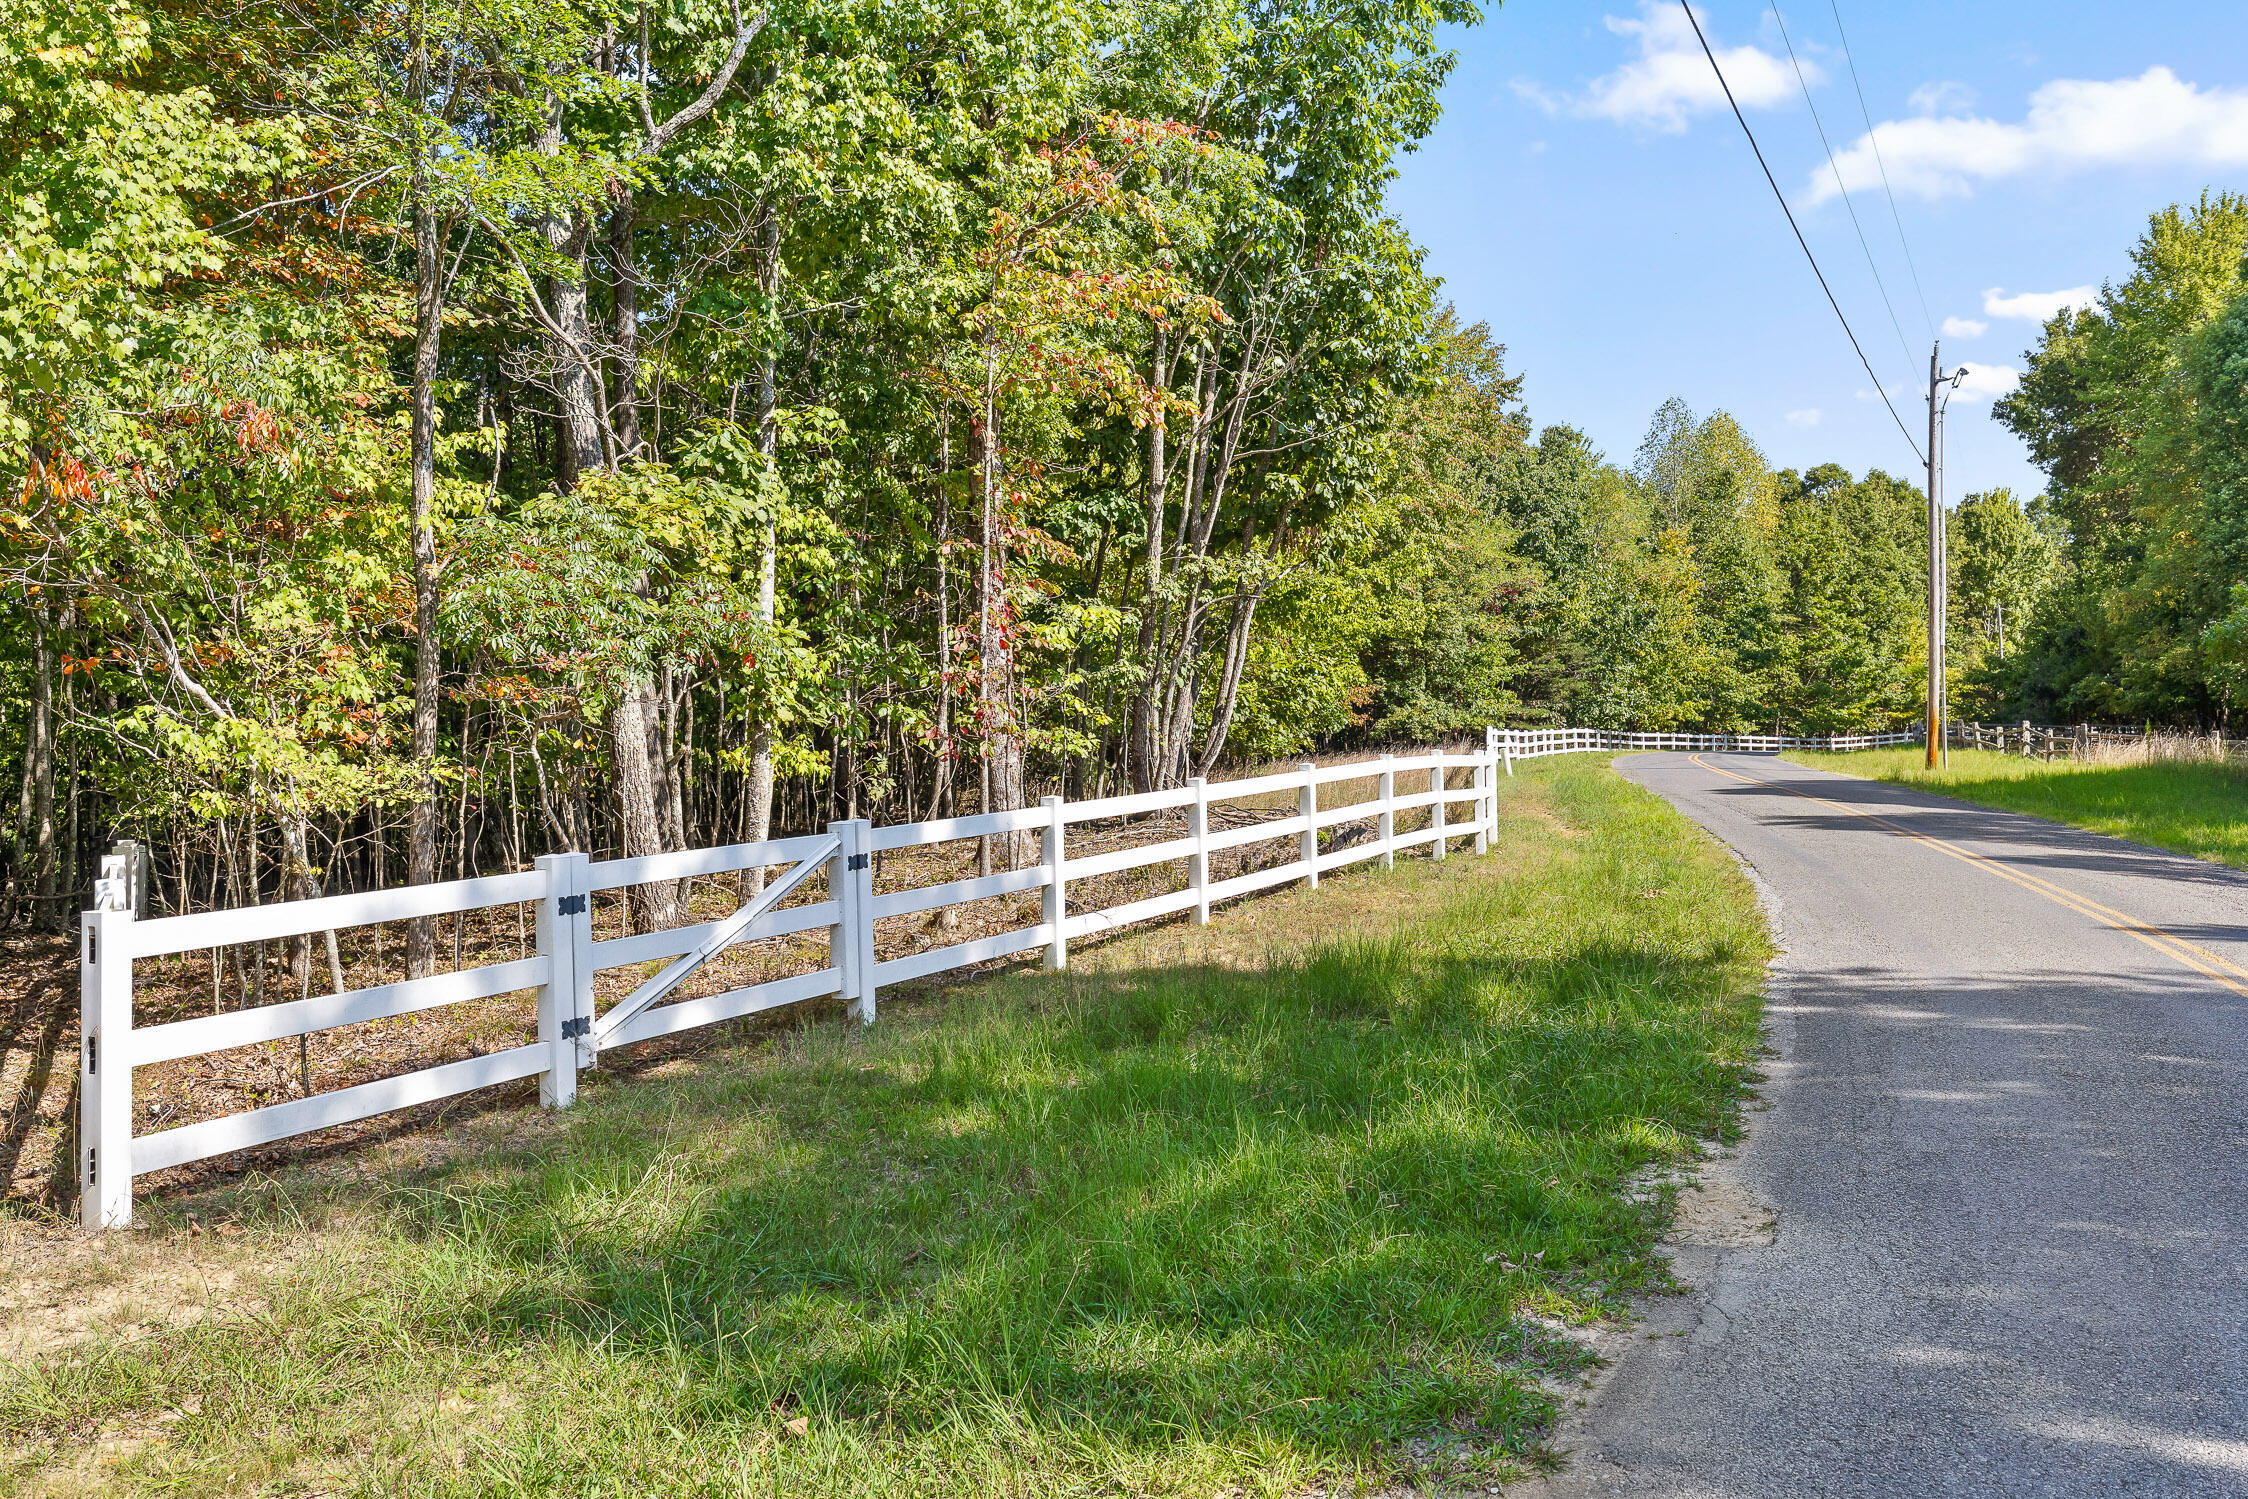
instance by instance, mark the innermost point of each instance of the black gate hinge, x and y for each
(576, 1026)
(855, 861)
(570, 905)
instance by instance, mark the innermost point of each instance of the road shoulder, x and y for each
(1720, 1211)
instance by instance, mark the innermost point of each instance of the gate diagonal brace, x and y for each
(725, 935)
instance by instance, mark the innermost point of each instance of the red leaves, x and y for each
(62, 476)
(256, 430)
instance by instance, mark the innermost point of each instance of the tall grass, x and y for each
(1221, 1225)
(2193, 807)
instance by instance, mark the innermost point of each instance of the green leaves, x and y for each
(2129, 407)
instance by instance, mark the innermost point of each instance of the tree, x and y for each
(1852, 556)
(1450, 581)
(2109, 408)
(2005, 561)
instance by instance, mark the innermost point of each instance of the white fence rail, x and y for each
(1531, 744)
(571, 1036)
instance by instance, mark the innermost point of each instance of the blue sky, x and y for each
(1589, 196)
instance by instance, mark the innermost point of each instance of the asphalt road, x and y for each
(2006, 1142)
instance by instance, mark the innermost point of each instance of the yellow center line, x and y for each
(2169, 944)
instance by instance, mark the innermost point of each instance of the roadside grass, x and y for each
(1300, 1201)
(2197, 808)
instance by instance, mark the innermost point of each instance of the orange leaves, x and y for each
(508, 687)
(1146, 136)
(61, 476)
(72, 481)
(256, 430)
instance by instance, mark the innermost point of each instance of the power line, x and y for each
(1873, 139)
(1841, 186)
(1848, 331)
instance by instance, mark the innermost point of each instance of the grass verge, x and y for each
(1293, 1202)
(2196, 808)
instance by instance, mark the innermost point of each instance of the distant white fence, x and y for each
(572, 1036)
(1531, 744)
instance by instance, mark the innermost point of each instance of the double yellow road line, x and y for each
(2169, 944)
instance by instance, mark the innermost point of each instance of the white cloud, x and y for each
(1941, 98)
(1671, 80)
(1986, 382)
(2036, 306)
(2073, 125)
(1806, 418)
(1964, 327)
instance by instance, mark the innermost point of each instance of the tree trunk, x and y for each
(940, 791)
(624, 403)
(569, 334)
(1229, 680)
(1140, 743)
(35, 854)
(637, 826)
(421, 846)
(667, 751)
(995, 680)
(584, 449)
(768, 548)
(1168, 646)
(580, 449)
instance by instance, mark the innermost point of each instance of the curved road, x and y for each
(2006, 1143)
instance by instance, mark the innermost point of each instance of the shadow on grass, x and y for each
(2196, 810)
(1197, 1199)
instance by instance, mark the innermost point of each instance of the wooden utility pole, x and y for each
(1935, 570)
(1939, 558)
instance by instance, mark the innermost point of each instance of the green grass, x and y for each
(1283, 1210)
(2199, 809)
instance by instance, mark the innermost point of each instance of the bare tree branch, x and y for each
(659, 136)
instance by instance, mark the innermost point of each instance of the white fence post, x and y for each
(1487, 782)
(1307, 806)
(564, 1029)
(850, 942)
(1506, 748)
(1055, 903)
(1198, 867)
(577, 909)
(105, 1061)
(1436, 813)
(862, 913)
(1388, 824)
(1482, 843)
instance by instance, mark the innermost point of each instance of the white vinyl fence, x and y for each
(1531, 744)
(572, 1035)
